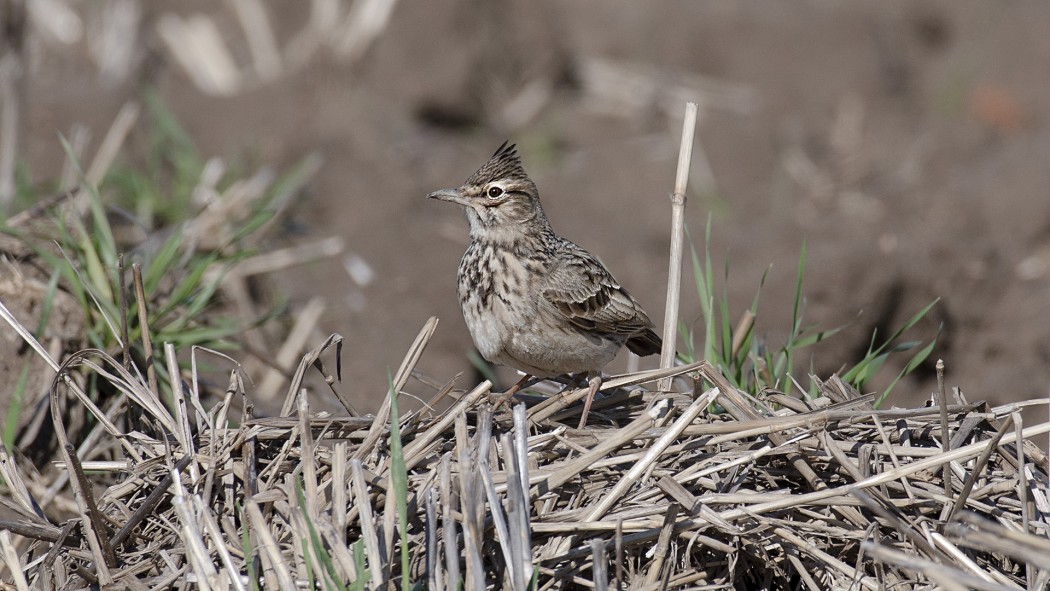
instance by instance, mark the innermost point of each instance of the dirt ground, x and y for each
(906, 144)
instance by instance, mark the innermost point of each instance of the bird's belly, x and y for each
(529, 341)
(552, 352)
(488, 330)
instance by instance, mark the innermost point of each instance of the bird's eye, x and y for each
(495, 192)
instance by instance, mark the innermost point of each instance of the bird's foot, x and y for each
(506, 396)
(594, 383)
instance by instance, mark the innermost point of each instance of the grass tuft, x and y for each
(186, 222)
(751, 365)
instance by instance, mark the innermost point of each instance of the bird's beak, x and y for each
(452, 195)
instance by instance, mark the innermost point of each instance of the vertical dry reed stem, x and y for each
(674, 268)
(942, 401)
(339, 499)
(431, 558)
(270, 550)
(110, 146)
(376, 555)
(448, 523)
(1022, 491)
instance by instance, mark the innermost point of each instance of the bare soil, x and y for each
(905, 144)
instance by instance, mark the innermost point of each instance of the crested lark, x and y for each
(531, 299)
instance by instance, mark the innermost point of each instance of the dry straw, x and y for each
(818, 494)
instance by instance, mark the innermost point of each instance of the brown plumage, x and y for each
(531, 299)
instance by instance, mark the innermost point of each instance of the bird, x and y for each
(531, 299)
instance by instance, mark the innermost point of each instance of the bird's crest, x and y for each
(503, 164)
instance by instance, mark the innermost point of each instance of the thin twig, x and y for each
(978, 466)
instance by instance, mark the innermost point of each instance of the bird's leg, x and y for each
(594, 382)
(512, 391)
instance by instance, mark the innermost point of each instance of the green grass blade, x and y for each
(78, 241)
(101, 235)
(786, 362)
(688, 342)
(250, 225)
(921, 355)
(163, 262)
(212, 336)
(14, 408)
(183, 291)
(912, 364)
(813, 339)
(314, 546)
(727, 328)
(866, 368)
(483, 367)
(913, 321)
(308, 565)
(399, 482)
(796, 318)
(711, 339)
(246, 548)
(360, 567)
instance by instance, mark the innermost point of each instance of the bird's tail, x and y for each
(646, 343)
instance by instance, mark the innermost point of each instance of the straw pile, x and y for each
(659, 492)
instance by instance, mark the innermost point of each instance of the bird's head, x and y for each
(500, 196)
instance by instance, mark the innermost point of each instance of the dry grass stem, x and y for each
(110, 147)
(674, 269)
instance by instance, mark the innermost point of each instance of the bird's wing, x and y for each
(580, 288)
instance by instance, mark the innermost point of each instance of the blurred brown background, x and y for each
(906, 143)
